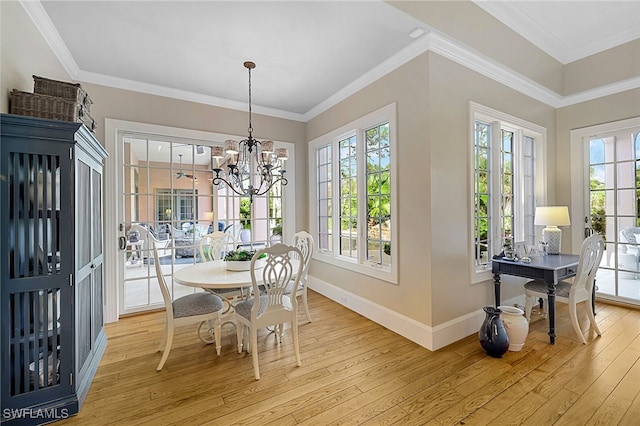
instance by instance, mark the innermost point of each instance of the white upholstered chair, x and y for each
(269, 304)
(303, 241)
(190, 309)
(151, 240)
(576, 290)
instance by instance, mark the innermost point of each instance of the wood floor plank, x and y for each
(599, 390)
(355, 371)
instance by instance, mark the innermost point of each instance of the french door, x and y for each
(612, 188)
(166, 201)
(167, 198)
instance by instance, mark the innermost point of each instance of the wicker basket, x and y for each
(62, 89)
(45, 106)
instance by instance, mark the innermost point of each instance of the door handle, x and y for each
(122, 243)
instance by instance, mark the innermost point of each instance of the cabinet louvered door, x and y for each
(36, 264)
(89, 258)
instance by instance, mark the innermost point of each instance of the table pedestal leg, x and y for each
(496, 288)
(551, 298)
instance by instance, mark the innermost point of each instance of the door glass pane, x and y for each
(614, 199)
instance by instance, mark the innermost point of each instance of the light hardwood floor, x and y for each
(356, 372)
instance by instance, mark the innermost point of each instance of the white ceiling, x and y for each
(305, 51)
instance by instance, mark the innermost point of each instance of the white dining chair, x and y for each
(269, 305)
(303, 241)
(576, 290)
(190, 309)
(213, 246)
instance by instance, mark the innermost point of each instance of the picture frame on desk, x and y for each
(521, 249)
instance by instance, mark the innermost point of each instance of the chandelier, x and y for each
(253, 166)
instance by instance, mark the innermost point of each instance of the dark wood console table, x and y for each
(550, 269)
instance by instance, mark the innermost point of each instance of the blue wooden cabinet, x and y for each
(51, 272)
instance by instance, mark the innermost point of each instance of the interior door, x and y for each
(613, 170)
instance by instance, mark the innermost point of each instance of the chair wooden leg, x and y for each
(167, 347)
(296, 346)
(163, 339)
(528, 306)
(592, 320)
(306, 305)
(239, 335)
(254, 354)
(216, 325)
(574, 321)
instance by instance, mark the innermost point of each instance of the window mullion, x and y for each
(361, 149)
(494, 189)
(518, 187)
(335, 191)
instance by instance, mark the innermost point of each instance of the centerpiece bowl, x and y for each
(240, 260)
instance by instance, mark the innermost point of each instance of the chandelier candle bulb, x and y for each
(231, 147)
(217, 152)
(283, 154)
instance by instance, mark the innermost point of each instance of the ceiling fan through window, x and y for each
(182, 174)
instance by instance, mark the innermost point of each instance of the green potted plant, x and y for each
(240, 260)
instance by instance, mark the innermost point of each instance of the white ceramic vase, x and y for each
(516, 325)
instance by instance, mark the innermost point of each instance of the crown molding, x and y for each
(513, 17)
(43, 23)
(168, 92)
(415, 49)
(431, 41)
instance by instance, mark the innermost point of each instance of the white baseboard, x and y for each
(432, 338)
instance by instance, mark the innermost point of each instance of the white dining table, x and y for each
(212, 274)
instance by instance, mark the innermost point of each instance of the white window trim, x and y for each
(358, 126)
(521, 128)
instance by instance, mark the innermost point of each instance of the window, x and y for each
(352, 169)
(507, 178)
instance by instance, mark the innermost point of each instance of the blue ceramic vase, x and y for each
(493, 336)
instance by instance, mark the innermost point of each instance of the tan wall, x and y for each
(432, 94)
(408, 87)
(610, 66)
(23, 53)
(451, 88)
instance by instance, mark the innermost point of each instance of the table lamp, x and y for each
(552, 217)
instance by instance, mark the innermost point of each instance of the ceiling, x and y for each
(306, 52)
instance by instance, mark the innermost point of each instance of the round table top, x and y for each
(212, 274)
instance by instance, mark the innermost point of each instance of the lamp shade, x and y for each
(552, 216)
(208, 215)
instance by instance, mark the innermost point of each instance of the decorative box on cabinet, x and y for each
(51, 273)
